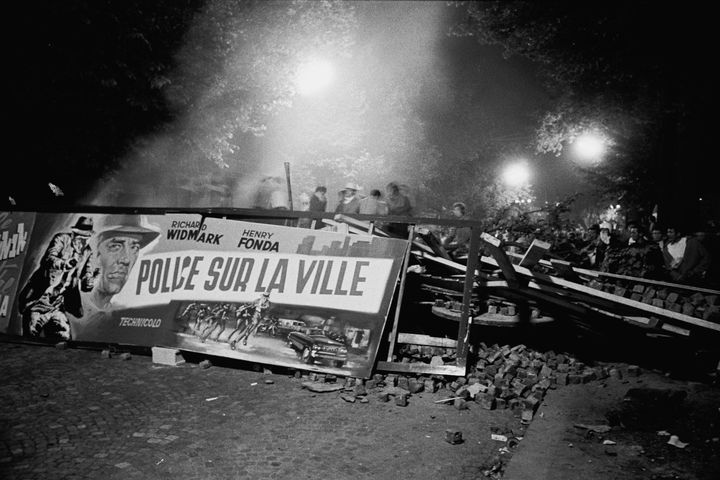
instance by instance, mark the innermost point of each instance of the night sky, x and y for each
(63, 57)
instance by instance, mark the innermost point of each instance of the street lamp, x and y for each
(589, 147)
(516, 175)
(313, 76)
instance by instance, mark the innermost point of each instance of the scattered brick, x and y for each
(359, 390)
(453, 437)
(460, 404)
(205, 364)
(672, 297)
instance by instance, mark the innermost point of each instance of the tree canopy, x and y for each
(634, 72)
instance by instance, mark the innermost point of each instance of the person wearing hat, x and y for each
(349, 200)
(116, 244)
(52, 290)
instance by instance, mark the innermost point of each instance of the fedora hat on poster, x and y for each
(83, 226)
(123, 224)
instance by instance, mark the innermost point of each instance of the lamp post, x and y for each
(589, 147)
(313, 76)
(516, 174)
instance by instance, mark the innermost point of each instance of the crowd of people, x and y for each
(350, 201)
(658, 252)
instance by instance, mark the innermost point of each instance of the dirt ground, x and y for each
(135, 419)
(557, 448)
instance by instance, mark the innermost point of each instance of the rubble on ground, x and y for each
(503, 377)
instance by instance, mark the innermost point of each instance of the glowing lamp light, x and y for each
(313, 76)
(516, 175)
(589, 147)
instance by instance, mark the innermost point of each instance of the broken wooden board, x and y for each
(489, 319)
(426, 340)
(368, 228)
(421, 368)
(622, 301)
(501, 259)
(535, 252)
(498, 320)
(429, 239)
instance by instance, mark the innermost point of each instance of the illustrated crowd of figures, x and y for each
(242, 321)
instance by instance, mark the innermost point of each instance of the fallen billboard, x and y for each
(265, 293)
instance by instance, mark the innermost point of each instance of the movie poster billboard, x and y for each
(15, 230)
(271, 294)
(75, 265)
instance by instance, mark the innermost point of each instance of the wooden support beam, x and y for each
(534, 253)
(421, 368)
(432, 242)
(621, 301)
(466, 318)
(426, 340)
(398, 305)
(501, 259)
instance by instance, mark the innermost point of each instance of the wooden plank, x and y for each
(367, 227)
(502, 287)
(615, 298)
(501, 260)
(566, 270)
(497, 320)
(443, 312)
(422, 368)
(448, 263)
(427, 340)
(534, 253)
(430, 240)
(398, 305)
(466, 318)
(679, 286)
(674, 329)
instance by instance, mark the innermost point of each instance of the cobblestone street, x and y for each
(73, 414)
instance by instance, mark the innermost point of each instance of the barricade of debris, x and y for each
(694, 304)
(503, 377)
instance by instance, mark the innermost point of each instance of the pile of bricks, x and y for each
(406, 353)
(518, 378)
(696, 304)
(503, 377)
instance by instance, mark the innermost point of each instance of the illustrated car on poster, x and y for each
(312, 345)
(287, 325)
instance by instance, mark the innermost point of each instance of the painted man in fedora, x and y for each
(53, 290)
(116, 244)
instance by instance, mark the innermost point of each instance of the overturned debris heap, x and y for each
(498, 287)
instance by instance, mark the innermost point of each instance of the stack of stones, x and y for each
(407, 353)
(518, 378)
(696, 304)
(504, 377)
